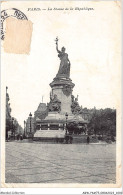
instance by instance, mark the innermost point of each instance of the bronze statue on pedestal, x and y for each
(64, 68)
(55, 104)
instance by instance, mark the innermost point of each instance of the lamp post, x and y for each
(66, 115)
(30, 117)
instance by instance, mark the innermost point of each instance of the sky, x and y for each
(92, 41)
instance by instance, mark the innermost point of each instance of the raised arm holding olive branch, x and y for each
(64, 69)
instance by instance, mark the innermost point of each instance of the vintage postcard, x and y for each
(61, 94)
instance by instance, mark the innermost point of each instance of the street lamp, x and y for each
(66, 115)
(30, 116)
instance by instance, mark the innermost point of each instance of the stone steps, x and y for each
(49, 134)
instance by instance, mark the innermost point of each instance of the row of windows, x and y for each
(51, 127)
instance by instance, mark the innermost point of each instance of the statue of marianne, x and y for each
(64, 68)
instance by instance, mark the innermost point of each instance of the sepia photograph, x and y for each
(61, 94)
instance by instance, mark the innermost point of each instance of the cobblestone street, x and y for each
(60, 163)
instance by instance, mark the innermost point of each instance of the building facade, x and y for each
(29, 128)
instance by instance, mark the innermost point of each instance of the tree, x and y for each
(8, 127)
(103, 122)
(73, 127)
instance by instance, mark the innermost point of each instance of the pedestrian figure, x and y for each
(88, 140)
(71, 139)
(57, 140)
(17, 137)
(67, 138)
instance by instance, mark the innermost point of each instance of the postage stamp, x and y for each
(13, 12)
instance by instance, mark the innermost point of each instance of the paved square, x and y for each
(38, 162)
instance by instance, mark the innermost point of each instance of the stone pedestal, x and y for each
(63, 87)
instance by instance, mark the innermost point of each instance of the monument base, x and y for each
(58, 117)
(54, 126)
(46, 134)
